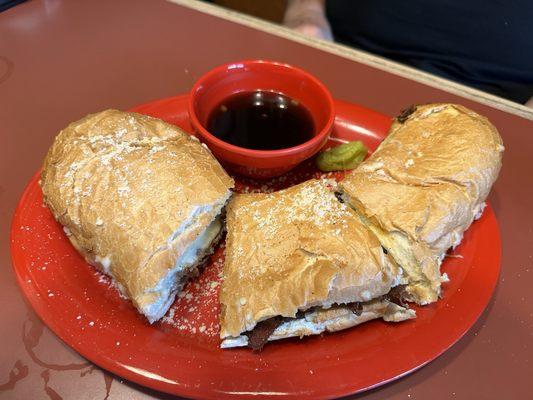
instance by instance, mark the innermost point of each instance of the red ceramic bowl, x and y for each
(218, 84)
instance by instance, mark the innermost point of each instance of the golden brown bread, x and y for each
(424, 186)
(133, 194)
(293, 250)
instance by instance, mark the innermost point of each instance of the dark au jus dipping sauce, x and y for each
(261, 120)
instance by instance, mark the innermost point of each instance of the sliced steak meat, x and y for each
(398, 295)
(404, 115)
(258, 336)
(356, 308)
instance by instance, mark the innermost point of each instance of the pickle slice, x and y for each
(345, 156)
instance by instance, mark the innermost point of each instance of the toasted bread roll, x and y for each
(301, 257)
(423, 187)
(139, 199)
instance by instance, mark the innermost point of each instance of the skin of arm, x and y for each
(308, 17)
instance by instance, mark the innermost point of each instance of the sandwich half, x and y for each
(140, 199)
(299, 262)
(423, 187)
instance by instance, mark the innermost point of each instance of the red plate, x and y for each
(181, 356)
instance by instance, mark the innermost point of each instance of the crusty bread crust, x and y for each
(295, 249)
(427, 182)
(132, 192)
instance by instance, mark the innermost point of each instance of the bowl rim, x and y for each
(319, 137)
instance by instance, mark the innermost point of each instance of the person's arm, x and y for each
(308, 17)
(529, 103)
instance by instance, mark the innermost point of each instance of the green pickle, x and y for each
(345, 156)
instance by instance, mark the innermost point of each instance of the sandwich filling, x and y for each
(316, 320)
(421, 289)
(186, 266)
